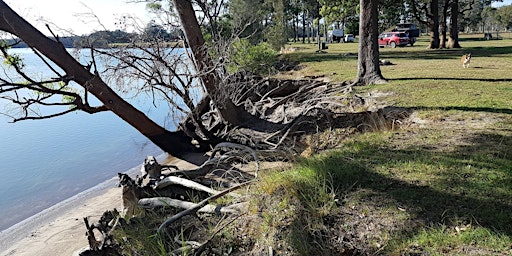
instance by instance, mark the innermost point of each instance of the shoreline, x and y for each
(29, 225)
(59, 229)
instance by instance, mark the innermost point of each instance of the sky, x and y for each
(505, 2)
(74, 16)
(69, 17)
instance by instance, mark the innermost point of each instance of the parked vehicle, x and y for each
(410, 29)
(393, 39)
(336, 35)
(349, 38)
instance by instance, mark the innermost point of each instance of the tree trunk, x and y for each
(434, 24)
(297, 27)
(444, 26)
(453, 41)
(368, 60)
(294, 27)
(204, 64)
(303, 26)
(234, 115)
(175, 143)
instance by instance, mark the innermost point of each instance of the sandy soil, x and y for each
(60, 230)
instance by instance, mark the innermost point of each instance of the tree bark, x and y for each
(303, 26)
(368, 57)
(175, 143)
(432, 19)
(453, 40)
(204, 64)
(234, 115)
(434, 24)
(444, 26)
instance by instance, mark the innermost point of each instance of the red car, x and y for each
(393, 39)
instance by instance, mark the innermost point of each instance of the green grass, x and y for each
(441, 185)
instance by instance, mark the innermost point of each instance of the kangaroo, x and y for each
(465, 59)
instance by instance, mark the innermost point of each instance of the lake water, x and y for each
(43, 162)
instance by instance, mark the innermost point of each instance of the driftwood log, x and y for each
(154, 202)
(151, 189)
(199, 206)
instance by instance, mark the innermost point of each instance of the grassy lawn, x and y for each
(439, 185)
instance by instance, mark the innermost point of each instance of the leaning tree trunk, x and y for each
(204, 64)
(234, 115)
(453, 40)
(434, 24)
(368, 68)
(175, 143)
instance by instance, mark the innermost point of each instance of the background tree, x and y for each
(453, 39)
(444, 22)
(504, 16)
(488, 18)
(248, 18)
(472, 17)
(427, 13)
(368, 67)
(341, 13)
(391, 13)
(155, 31)
(276, 33)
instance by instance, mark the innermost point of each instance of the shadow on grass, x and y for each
(468, 109)
(319, 57)
(495, 80)
(469, 183)
(448, 53)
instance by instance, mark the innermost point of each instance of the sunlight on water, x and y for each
(46, 161)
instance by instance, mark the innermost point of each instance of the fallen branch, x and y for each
(172, 180)
(199, 206)
(169, 202)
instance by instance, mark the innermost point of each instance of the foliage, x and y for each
(338, 11)
(504, 16)
(154, 31)
(258, 59)
(102, 39)
(246, 17)
(390, 13)
(13, 60)
(274, 35)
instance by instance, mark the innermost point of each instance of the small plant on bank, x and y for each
(257, 59)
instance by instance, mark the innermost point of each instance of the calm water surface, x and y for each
(43, 162)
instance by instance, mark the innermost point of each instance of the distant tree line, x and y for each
(105, 38)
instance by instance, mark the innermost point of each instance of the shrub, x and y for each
(259, 59)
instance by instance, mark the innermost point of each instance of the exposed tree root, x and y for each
(295, 114)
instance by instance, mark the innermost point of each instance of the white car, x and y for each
(349, 38)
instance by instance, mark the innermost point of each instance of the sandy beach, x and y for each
(60, 230)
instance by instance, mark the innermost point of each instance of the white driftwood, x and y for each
(173, 180)
(199, 206)
(169, 202)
